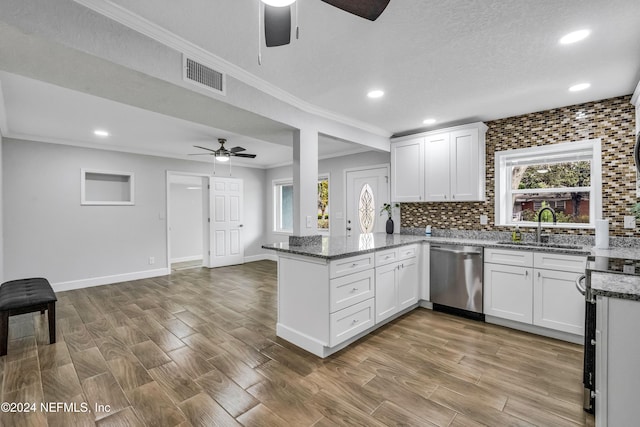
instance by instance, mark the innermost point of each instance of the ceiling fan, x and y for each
(222, 154)
(277, 16)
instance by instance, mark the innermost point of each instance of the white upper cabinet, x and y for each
(407, 168)
(437, 167)
(447, 165)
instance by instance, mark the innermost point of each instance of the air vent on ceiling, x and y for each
(203, 76)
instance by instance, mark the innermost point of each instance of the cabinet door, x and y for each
(465, 165)
(556, 302)
(386, 294)
(508, 292)
(407, 170)
(437, 168)
(408, 283)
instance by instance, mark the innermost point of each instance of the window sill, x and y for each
(284, 233)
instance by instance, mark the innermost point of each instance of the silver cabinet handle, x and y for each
(354, 289)
(355, 321)
(526, 273)
(539, 274)
(579, 284)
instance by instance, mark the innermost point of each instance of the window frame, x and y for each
(504, 193)
(277, 185)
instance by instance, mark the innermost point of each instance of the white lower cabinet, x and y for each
(516, 288)
(408, 284)
(350, 321)
(397, 287)
(507, 292)
(556, 303)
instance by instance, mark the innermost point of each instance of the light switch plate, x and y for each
(483, 220)
(629, 221)
(309, 223)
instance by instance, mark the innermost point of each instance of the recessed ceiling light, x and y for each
(579, 87)
(575, 36)
(376, 94)
(278, 3)
(193, 188)
(100, 132)
(429, 121)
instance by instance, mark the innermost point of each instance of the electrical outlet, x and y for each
(483, 220)
(309, 221)
(152, 260)
(629, 221)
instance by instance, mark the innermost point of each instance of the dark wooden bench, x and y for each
(26, 296)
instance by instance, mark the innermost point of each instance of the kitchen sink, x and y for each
(541, 245)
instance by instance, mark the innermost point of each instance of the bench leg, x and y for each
(51, 308)
(4, 332)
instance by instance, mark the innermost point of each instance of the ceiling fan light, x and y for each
(222, 158)
(278, 3)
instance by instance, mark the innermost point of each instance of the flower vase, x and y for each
(389, 226)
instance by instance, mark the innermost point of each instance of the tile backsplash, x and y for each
(612, 120)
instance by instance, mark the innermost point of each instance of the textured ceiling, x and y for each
(455, 60)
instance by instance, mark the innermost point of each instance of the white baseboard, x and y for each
(261, 257)
(186, 259)
(107, 280)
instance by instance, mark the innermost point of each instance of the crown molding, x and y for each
(161, 35)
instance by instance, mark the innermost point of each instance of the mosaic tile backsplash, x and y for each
(611, 120)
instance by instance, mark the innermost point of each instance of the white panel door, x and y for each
(556, 303)
(465, 169)
(227, 247)
(408, 283)
(437, 167)
(378, 181)
(508, 292)
(407, 169)
(386, 291)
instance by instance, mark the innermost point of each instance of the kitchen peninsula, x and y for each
(334, 292)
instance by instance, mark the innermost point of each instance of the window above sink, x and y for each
(565, 177)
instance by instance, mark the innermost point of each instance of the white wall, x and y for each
(48, 233)
(185, 210)
(335, 168)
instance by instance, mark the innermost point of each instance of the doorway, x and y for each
(367, 189)
(187, 212)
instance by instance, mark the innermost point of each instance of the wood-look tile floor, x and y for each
(199, 348)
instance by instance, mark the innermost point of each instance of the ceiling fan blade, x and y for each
(205, 148)
(202, 154)
(237, 149)
(368, 9)
(277, 25)
(248, 156)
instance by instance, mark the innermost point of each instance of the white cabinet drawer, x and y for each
(344, 266)
(509, 257)
(348, 290)
(406, 252)
(552, 261)
(351, 321)
(386, 256)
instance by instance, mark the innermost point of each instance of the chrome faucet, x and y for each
(555, 219)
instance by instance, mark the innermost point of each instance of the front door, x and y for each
(367, 191)
(226, 198)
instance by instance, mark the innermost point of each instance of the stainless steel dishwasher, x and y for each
(456, 279)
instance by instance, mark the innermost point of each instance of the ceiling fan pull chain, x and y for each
(260, 7)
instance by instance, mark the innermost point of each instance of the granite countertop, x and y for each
(342, 247)
(615, 285)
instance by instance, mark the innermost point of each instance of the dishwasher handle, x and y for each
(455, 251)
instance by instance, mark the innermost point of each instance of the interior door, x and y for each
(367, 191)
(226, 198)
